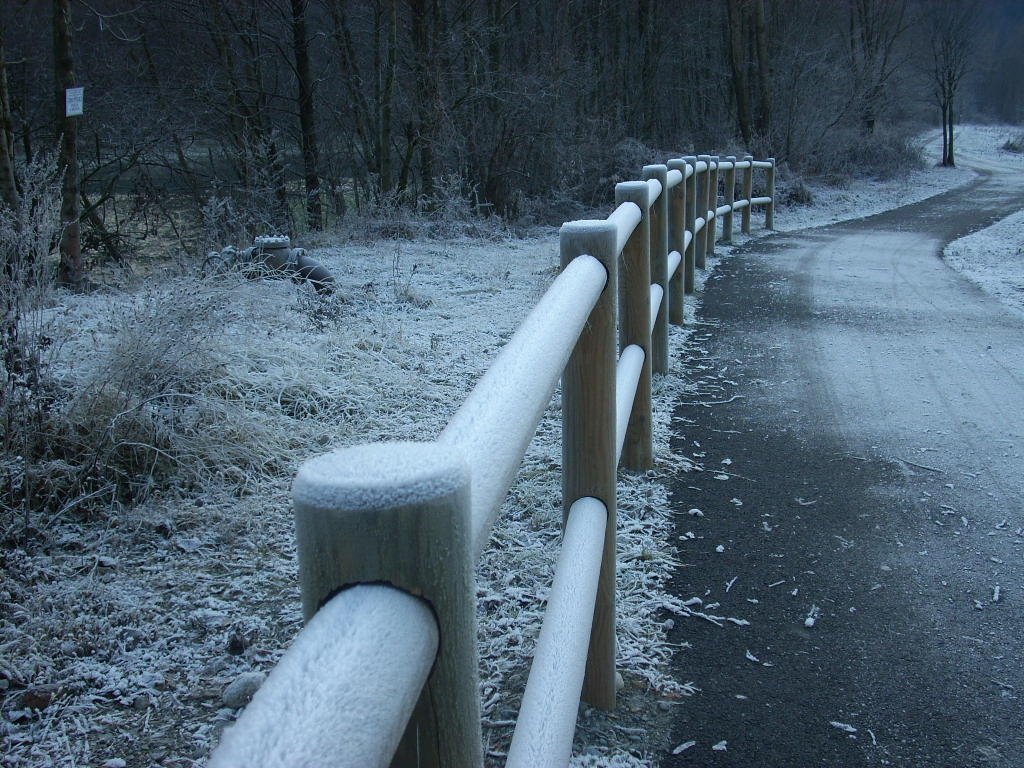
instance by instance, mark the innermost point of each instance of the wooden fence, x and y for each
(385, 671)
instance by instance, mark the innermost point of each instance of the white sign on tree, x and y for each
(74, 102)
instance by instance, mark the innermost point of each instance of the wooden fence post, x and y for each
(399, 513)
(769, 211)
(691, 216)
(677, 242)
(712, 230)
(588, 439)
(748, 193)
(730, 198)
(701, 237)
(659, 267)
(635, 323)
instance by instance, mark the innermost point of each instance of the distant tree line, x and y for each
(291, 113)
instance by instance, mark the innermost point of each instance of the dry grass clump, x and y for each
(452, 211)
(164, 387)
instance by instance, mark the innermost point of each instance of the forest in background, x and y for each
(208, 121)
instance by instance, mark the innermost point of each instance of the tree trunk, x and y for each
(945, 134)
(70, 271)
(426, 91)
(387, 63)
(310, 159)
(735, 29)
(764, 71)
(8, 186)
(356, 90)
(950, 159)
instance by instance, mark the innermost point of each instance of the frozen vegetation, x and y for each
(130, 633)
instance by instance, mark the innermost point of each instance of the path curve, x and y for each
(874, 421)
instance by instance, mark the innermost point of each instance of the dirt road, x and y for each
(861, 426)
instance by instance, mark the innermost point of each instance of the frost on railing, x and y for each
(385, 672)
(498, 419)
(368, 652)
(547, 716)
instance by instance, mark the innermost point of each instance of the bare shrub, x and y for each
(452, 211)
(792, 190)
(226, 222)
(169, 400)
(28, 236)
(850, 154)
(322, 311)
(159, 390)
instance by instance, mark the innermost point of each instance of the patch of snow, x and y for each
(679, 749)
(845, 727)
(993, 259)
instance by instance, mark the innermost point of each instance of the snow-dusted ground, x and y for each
(120, 631)
(993, 257)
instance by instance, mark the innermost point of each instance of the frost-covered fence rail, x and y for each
(389, 534)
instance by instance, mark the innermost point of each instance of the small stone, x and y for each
(237, 643)
(213, 667)
(37, 698)
(664, 706)
(241, 690)
(619, 682)
(141, 702)
(115, 762)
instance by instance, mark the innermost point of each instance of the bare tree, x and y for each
(875, 32)
(70, 272)
(736, 27)
(750, 65)
(952, 27)
(8, 185)
(310, 156)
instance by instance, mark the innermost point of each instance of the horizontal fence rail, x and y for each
(367, 650)
(389, 534)
(547, 716)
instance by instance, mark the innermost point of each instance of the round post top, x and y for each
(381, 476)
